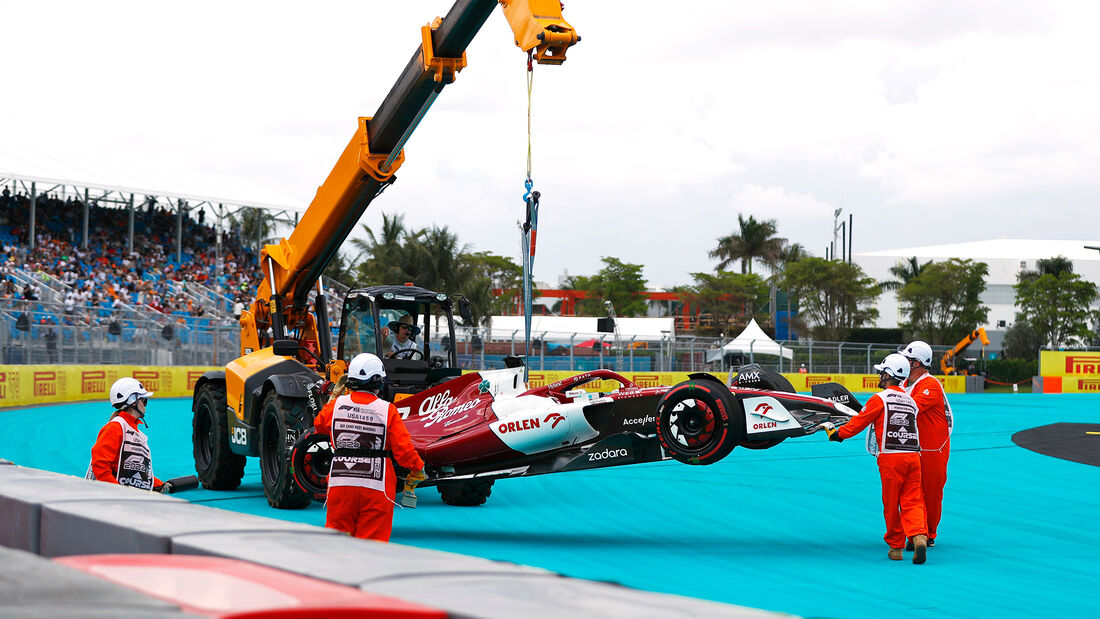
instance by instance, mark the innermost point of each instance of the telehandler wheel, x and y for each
(275, 466)
(217, 466)
(466, 493)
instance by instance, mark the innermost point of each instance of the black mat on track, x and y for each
(1068, 441)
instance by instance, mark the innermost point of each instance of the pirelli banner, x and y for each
(27, 385)
(1070, 371)
(856, 383)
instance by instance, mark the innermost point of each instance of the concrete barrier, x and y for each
(31, 586)
(58, 515)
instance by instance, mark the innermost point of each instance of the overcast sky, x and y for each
(930, 121)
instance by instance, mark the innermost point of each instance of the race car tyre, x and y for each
(310, 460)
(217, 466)
(275, 468)
(699, 422)
(466, 493)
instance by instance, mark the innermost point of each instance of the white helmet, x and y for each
(895, 365)
(920, 351)
(127, 391)
(365, 366)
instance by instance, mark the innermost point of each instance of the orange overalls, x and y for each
(361, 480)
(896, 445)
(934, 425)
(113, 440)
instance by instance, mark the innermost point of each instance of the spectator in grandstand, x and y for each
(403, 330)
(361, 487)
(895, 443)
(934, 423)
(121, 452)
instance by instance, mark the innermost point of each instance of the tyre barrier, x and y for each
(56, 515)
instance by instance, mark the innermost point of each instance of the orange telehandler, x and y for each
(947, 363)
(262, 401)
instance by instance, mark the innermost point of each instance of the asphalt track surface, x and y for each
(797, 528)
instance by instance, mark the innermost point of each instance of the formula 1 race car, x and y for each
(483, 426)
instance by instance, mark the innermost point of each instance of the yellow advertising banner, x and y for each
(1069, 363)
(1071, 384)
(27, 385)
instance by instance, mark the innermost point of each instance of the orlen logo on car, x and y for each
(518, 426)
(149, 380)
(870, 382)
(818, 380)
(45, 383)
(1083, 364)
(347, 440)
(1088, 384)
(93, 382)
(134, 463)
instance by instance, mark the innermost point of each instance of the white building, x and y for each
(1005, 257)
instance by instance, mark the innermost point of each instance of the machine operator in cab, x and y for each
(367, 433)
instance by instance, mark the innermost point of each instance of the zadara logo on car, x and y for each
(608, 454)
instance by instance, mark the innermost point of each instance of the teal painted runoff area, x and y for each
(797, 528)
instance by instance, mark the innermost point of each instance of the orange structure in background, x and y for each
(685, 317)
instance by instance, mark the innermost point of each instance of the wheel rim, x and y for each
(269, 455)
(693, 426)
(204, 436)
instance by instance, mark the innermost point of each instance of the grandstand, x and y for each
(113, 275)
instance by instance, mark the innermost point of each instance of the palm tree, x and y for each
(1055, 266)
(754, 239)
(382, 259)
(904, 272)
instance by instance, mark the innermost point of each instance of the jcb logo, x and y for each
(817, 380)
(536, 379)
(1083, 364)
(45, 384)
(149, 379)
(239, 436)
(93, 382)
(647, 380)
(870, 382)
(192, 378)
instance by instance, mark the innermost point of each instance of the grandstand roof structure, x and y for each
(125, 178)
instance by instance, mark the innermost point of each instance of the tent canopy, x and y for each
(751, 341)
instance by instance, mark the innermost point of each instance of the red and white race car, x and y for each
(483, 426)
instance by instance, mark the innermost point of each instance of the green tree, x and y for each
(1022, 341)
(619, 282)
(943, 302)
(340, 270)
(728, 297)
(904, 272)
(434, 259)
(254, 225)
(383, 258)
(754, 239)
(834, 297)
(1056, 304)
(482, 273)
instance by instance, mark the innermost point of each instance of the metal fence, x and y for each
(44, 332)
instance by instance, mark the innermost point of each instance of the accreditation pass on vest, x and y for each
(357, 428)
(135, 463)
(899, 425)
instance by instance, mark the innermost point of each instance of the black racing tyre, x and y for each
(699, 422)
(310, 460)
(217, 466)
(275, 468)
(466, 493)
